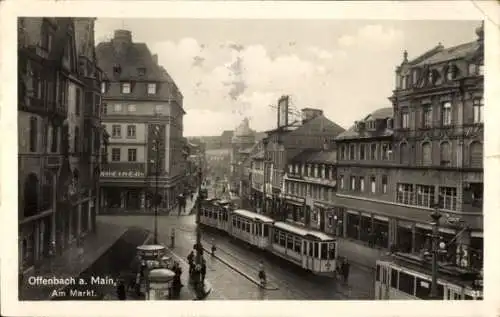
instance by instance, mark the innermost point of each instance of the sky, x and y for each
(231, 69)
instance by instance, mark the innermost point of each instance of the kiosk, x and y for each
(160, 284)
(150, 257)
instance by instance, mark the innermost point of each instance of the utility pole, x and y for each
(436, 215)
(157, 171)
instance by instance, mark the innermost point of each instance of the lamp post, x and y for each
(156, 200)
(436, 215)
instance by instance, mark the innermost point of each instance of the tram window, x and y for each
(311, 251)
(406, 283)
(248, 227)
(298, 244)
(238, 223)
(266, 231)
(316, 250)
(394, 278)
(324, 251)
(377, 275)
(234, 222)
(332, 251)
(282, 239)
(423, 288)
(289, 242)
(275, 236)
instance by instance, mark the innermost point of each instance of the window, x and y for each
(33, 142)
(415, 77)
(115, 155)
(425, 195)
(481, 70)
(386, 151)
(405, 119)
(131, 108)
(403, 153)
(55, 139)
(351, 152)
(341, 178)
(478, 110)
(426, 116)
(126, 88)
(426, 154)
(343, 152)
(450, 72)
(362, 151)
(373, 152)
(476, 154)
(473, 69)
(448, 197)
(132, 155)
(104, 87)
(431, 78)
(445, 154)
(158, 109)
(362, 184)
(405, 194)
(78, 102)
(353, 183)
(151, 89)
(394, 278)
(131, 131)
(384, 184)
(141, 71)
(117, 107)
(104, 108)
(373, 184)
(446, 114)
(406, 283)
(116, 131)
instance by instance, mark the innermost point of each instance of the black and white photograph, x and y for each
(214, 159)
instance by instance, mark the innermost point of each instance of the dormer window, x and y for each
(151, 88)
(415, 77)
(141, 71)
(117, 69)
(126, 88)
(451, 72)
(431, 77)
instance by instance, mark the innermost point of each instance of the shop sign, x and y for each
(129, 173)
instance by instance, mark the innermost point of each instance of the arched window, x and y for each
(445, 154)
(476, 154)
(403, 153)
(426, 154)
(31, 195)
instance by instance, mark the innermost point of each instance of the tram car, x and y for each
(310, 249)
(404, 276)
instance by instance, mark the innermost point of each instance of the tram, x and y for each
(404, 276)
(310, 249)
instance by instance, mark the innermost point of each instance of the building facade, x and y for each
(143, 114)
(285, 142)
(59, 135)
(243, 139)
(428, 157)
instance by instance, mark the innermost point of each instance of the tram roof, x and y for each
(252, 215)
(302, 231)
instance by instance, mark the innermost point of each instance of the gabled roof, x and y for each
(315, 156)
(352, 133)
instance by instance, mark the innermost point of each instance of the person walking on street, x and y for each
(262, 274)
(345, 270)
(190, 259)
(203, 270)
(120, 290)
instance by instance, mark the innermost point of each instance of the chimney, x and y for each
(310, 113)
(122, 40)
(155, 59)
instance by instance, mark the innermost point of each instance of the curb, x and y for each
(244, 274)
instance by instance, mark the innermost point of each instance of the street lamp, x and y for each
(436, 215)
(156, 200)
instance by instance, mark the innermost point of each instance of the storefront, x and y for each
(295, 207)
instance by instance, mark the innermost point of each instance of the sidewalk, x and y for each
(69, 264)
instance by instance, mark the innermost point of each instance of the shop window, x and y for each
(352, 226)
(365, 227)
(406, 283)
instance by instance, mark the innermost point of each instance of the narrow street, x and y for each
(292, 282)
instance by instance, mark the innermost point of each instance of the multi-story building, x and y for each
(309, 188)
(58, 108)
(433, 164)
(243, 139)
(287, 141)
(144, 116)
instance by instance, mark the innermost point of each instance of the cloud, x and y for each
(224, 82)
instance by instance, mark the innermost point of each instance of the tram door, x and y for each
(383, 291)
(306, 259)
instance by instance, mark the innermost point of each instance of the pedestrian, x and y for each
(203, 270)
(120, 290)
(262, 273)
(177, 284)
(190, 259)
(346, 267)
(213, 247)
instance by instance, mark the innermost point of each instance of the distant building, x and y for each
(144, 117)
(243, 139)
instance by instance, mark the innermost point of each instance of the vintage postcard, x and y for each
(298, 157)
